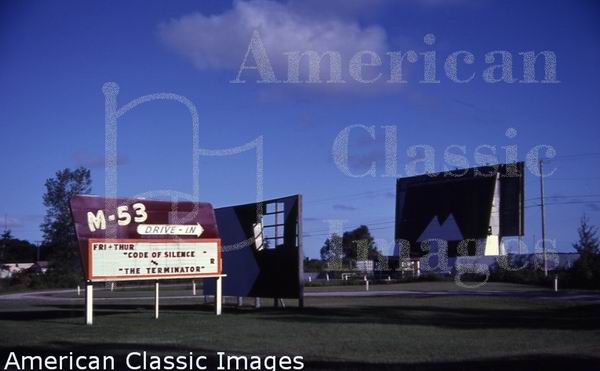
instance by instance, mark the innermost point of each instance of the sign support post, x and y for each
(156, 298)
(89, 303)
(218, 295)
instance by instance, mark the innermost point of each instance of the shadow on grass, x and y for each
(580, 317)
(42, 315)
(577, 317)
(124, 308)
(120, 351)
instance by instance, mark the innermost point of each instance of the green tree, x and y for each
(313, 265)
(14, 250)
(349, 244)
(332, 248)
(58, 229)
(356, 239)
(586, 270)
(588, 239)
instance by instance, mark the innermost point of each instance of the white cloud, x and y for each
(221, 41)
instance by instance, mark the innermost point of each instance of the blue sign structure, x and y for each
(262, 249)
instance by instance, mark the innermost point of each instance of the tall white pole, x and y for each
(218, 296)
(156, 297)
(541, 163)
(89, 303)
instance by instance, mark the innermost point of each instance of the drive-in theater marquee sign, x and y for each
(113, 260)
(146, 240)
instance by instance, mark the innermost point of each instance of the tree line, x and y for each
(60, 248)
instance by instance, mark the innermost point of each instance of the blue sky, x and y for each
(55, 57)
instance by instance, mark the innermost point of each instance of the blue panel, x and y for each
(271, 272)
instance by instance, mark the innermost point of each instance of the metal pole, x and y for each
(541, 163)
(89, 303)
(520, 242)
(156, 297)
(194, 288)
(218, 296)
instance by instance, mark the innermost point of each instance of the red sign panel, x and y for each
(113, 233)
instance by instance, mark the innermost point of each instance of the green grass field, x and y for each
(412, 332)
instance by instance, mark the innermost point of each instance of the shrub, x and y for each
(585, 272)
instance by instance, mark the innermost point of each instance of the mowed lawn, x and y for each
(409, 332)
